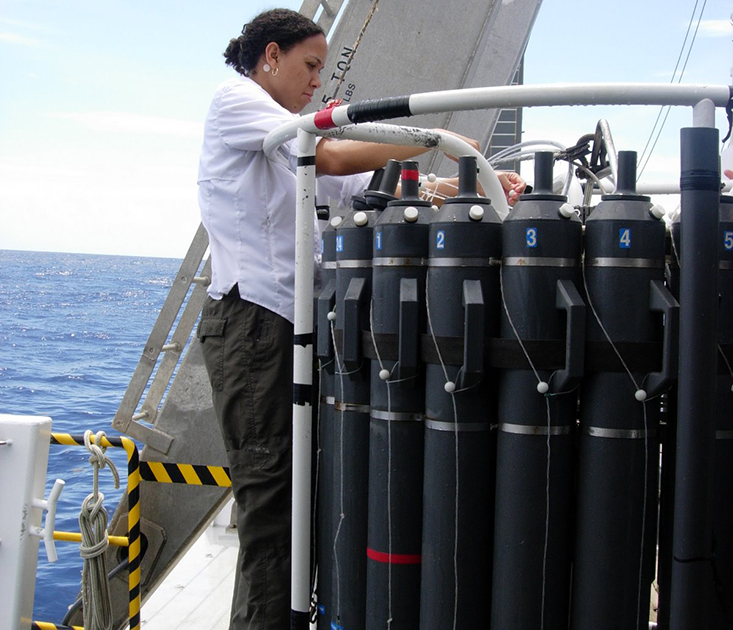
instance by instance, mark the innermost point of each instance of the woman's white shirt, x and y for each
(247, 201)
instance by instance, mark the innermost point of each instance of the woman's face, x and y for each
(298, 72)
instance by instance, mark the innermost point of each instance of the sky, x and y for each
(102, 104)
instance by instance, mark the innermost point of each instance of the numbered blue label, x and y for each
(378, 240)
(440, 239)
(340, 243)
(624, 238)
(728, 240)
(531, 237)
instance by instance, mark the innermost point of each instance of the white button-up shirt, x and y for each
(248, 201)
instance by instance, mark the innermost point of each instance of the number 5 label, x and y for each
(728, 240)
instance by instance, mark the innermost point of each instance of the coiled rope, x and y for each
(93, 526)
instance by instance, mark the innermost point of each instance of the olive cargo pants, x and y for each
(248, 352)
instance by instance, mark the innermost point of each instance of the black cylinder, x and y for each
(618, 443)
(692, 570)
(396, 426)
(535, 441)
(463, 302)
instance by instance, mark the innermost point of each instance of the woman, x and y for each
(248, 208)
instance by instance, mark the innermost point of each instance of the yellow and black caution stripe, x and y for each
(191, 474)
(133, 516)
(43, 625)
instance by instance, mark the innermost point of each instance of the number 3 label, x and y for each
(624, 238)
(532, 237)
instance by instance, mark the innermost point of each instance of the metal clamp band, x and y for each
(354, 263)
(396, 416)
(633, 263)
(628, 434)
(539, 261)
(329, 264)
(460, 427)
(328, 400)
(724, 435)
(345, 406)
(463, 262)
(726, 264)
(523, 429)
(398, 262)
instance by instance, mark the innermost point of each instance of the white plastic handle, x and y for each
(49, 505)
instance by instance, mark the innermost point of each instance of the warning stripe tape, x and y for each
(133, 515)
(191, 474)
(44, 625)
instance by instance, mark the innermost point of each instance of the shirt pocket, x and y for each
(210, 333)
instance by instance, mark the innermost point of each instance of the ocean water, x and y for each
(72, 329)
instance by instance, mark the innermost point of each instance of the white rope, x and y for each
(341, 472)
(455, 440)
(389, 463)
(94, 542)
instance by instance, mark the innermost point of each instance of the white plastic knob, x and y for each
(434, 208)
(657, 211)
(476, 213)
(449, 387)
(566, 210)
(331, 317)
(411, 214)
(360, 219)
(543, 387)
(384, 374)
(336, 221)
(432, 177)
(640, 395)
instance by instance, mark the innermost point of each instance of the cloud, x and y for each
(20, 40)
(123, 122)
(715, 28)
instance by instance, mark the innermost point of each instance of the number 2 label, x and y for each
(440, 239)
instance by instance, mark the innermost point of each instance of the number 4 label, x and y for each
(624, 238)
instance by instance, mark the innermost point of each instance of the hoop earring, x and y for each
(275, 71)
(266, 67)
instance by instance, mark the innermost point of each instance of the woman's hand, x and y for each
(512, 184)
(471, 141)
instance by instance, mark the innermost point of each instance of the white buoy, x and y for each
(331, 317)
(432, 178)
(449, 387)
(640, 395)
(384, 374)
(543, 387)
(361, 219)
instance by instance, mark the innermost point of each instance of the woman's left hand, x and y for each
(512, 184)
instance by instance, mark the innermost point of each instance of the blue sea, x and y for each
(72, 329)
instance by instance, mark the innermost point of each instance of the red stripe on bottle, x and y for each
(411, 175)
(394, 558)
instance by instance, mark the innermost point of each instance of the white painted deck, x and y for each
(197, 594)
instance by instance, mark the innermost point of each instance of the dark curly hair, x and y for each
(284, 27)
